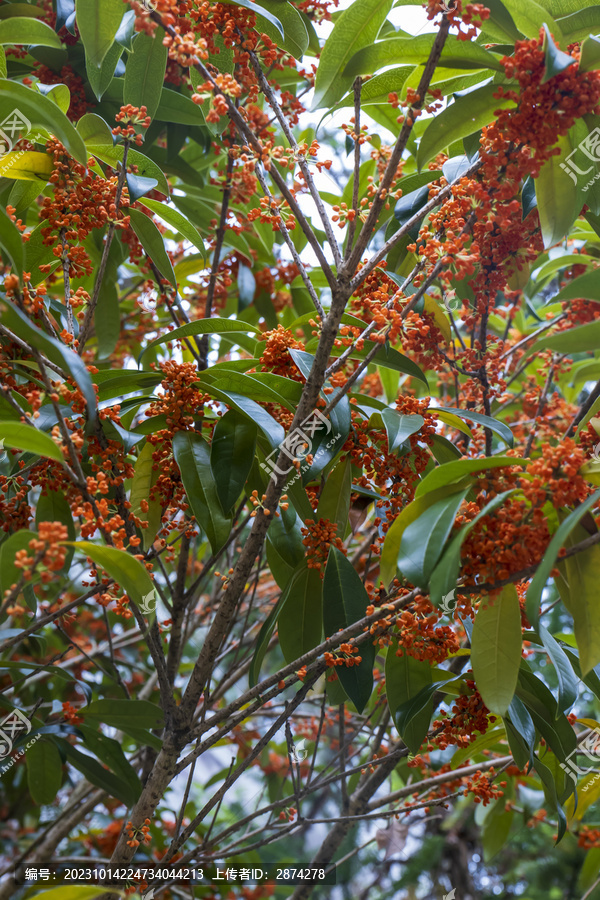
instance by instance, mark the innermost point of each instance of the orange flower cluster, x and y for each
(469, 716)
(135, 834)
(345, 656)
(47, 551)
(421, 639)
(319, 537)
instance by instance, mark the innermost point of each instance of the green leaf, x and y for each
(579, 25)
(192, 455)
(345, 601)
(503, 431)
(145, 477)
(547, 718)
(296, 35)
(423, 540)
(174, 218)
(110, 753)
(574, 340)
(357, 27)
(585, 286)
(496, 647)
(231, 456)
(97, 774)
(259, 10)
(299, 623)
(559, 196)
(98, 22)
(590, 54)
(9, 573)
(415, 51)
(145, 72)
(177, 108)
(465, 116)
(530, 17)
(112, 156)
(567, 682)
(79, 892)
(548, 562)
(408, 515)
(556, 61)
(101, 78)
(578, 593)
(399, 427)
(152, 241)
(126, 570)
(11, 243)
(56, 352)
(123, 714)
(37, 254)
(44, 771)
(264, 387)
(264, 638)
(455, 471)
(445, 575)
(41, 111)
(405, 678)
(387, 357)
(488, 739)
(334, 502)
(201, 326)
(24, 30)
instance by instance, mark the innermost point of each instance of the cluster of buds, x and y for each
(135, 834)
(342, 215)
(132, 116)
(260, 504)
(346, 659)
(225, 578)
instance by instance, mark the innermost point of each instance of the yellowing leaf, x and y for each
(26, 165)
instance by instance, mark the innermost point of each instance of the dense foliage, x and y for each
(300, 417)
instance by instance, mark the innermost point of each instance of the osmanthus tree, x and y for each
(299, 505)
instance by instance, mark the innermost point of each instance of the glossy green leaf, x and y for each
(98, 775)
(496, 647)
(345, 601)
(530, 17)
(503, 431)
(11, 243)
(41, 111)
(260, 10)
(285, 550)
(145, 72)
(28, 438)
(113, 156)
(44, 771)
(178, 222)
(423, 539)
(405, 677)
(445, 575)
(25, 30)
(357, 27)
(465, 116)
(192, 455)
(590, 54)
(145, 476)
(231, 456)
(334, 502)
(556, 61)
(574, 340)
(559, 194)
(455, 471)
(542, 574)
(299, 623)
(567, 682)
(152, 241)
(399, 427)
(10, 573)
(296, 34)
(98, 22)
(201, 326)
(415, 51)
(126, 570)
(123, 714)
(578, 593)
